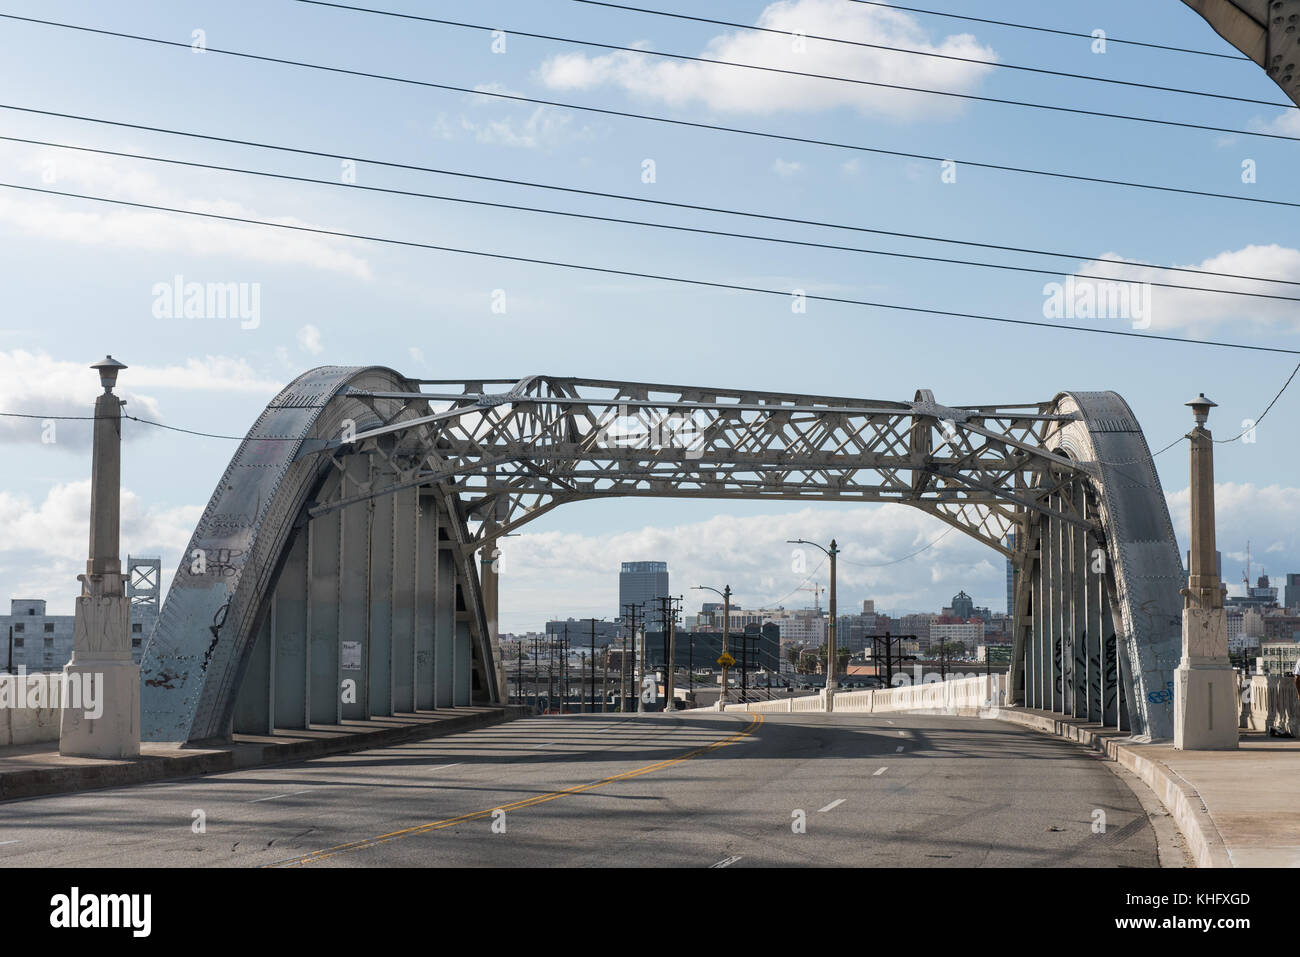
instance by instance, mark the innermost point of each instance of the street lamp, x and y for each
(726, 660)
(832, 663)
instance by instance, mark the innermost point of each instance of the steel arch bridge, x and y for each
(319, 561)
(340, 544)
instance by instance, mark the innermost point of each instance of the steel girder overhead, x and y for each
(1267, 31)
(349, 538)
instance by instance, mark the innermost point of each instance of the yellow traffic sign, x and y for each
(726, 660)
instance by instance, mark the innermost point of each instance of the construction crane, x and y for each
(817, 590)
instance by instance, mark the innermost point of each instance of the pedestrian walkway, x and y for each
(28, 770)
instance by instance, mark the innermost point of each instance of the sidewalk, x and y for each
(30, 770)
(1236, 808)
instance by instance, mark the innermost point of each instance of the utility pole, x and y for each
(630, 610)
(564, 709)
(537, 658)
(640, 701)
(668, 615)
(593, 662)
(604, 681)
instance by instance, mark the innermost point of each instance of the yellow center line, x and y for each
(755, 720)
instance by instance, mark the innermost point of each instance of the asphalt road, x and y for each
(607, 790)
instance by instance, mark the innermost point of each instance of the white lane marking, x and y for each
(897, 749)
(3, 843)
(725, 862)
(902, 732)
(832, 806)
(887, 721)
(443, 767)
(879, 772)
(274, 796)
(542, 745)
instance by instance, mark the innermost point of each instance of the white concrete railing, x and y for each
(1273, 703)
(961, 694)
(20, 724)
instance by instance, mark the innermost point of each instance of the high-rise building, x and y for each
(963, 606)
(643, 583)
(1291, 593)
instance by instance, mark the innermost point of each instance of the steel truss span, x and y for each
(333, 575)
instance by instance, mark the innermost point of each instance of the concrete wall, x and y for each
(962, 695)
(23, 725)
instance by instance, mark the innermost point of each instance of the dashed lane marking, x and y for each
(830, 807)
(755, 720)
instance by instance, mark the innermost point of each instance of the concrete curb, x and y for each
(1184, 803)
(54, 779)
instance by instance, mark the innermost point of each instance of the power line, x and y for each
(634, 274)
(1266, 411)
(1064, 33)
(1268, 408)
(621, 196)
(897, 561)
(634, 222)
(784, 137)
(789, 72)
(884, 46)
(156, 425)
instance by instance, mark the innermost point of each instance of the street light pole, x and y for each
(726, 633)
(832, 661)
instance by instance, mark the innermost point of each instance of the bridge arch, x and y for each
(333, 574)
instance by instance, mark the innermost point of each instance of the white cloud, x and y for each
(97, 224)
(38, 384)
(1284, 124)
(309, 340)
(45, 542)
(1199, 311)
(416, 354)
(737, 90)
(787, 169)
(1248, 512)
(851, 167)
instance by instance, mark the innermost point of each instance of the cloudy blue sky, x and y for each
(79, 276)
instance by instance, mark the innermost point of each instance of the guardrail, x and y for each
(971, 694)
(1272, 703)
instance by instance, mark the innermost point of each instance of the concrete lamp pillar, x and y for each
(101, 684)
(1205, 697)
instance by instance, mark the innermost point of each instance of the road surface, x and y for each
(684, 790)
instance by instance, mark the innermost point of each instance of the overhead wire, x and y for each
(619, 220)
(627, 114)
(532, 184)
(637, 274)
(439, 21)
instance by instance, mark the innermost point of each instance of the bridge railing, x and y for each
(960, 695)
(1273, 703)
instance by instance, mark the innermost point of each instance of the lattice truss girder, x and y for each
(510, 456)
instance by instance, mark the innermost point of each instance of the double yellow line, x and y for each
(755, 720)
